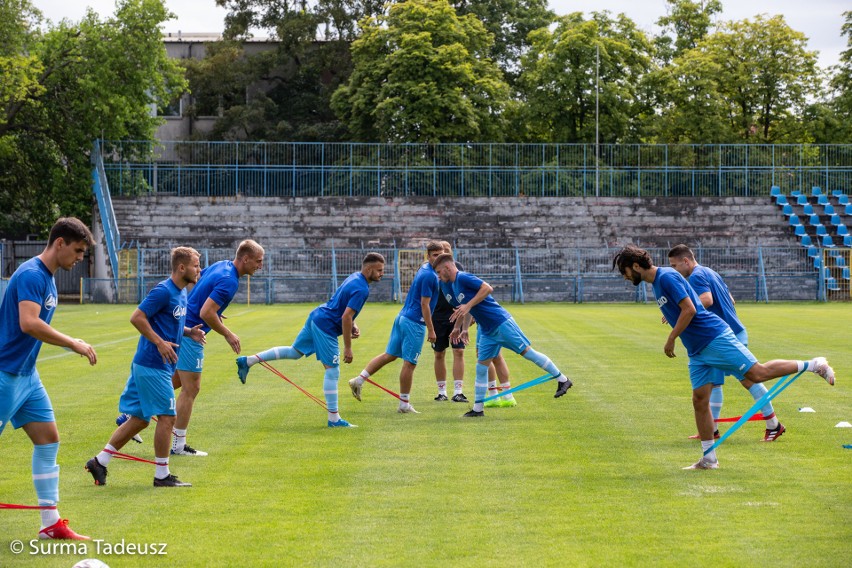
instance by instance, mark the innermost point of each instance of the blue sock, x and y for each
(757, 390)
(480, 386)
(542, 361)
(716, 399)
(329, 388)
(46, 480)
(284, 352)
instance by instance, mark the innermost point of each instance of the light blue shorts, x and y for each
(725, 355)
(507, 335)
(719, 379)
(406, 339)
(314, 340)
(23, 400)
(148, 393)
(190, 355)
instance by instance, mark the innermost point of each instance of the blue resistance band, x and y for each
(522, 386)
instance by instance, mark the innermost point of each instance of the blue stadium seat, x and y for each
(829, 209)
(800, 231)
(840, 260)
(806, 241)
(849, 209)
(835, 220)
(775, 190)
(843, 200)
(822, 231)
(813, 220)
(842, 230)
(837, 192)
(809, 209)
(813, 252)
(823, 199)
(816, 190)
(832, 284)
(802, 200)
(795, 193)
(781, 200)
(846, 274)
(827, 241)
(817, 263)
(847, 240)
(794, 220)
(787, 210)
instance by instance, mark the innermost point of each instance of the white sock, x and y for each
(772, 423)
(705, 445)
(404, 399)
(506, 386)
(492, 387)
(363, 376)
(179, 440)
(442, 387)
(49, 517)
(162, 470)
(333, 416)
(478, 406)
(458, 387)
(104, 457)
(562, 378)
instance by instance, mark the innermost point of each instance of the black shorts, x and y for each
(442, 334)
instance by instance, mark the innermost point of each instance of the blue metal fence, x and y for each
(303, 169)
(517, 275)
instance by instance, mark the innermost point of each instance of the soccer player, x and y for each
(715, 296)
(25, 314)
(473, 298)
(413, 322)
(160, 320)
(322, 328)
(206, 302)
(443, 328)
(709, 342)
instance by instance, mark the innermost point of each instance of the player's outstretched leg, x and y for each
(543, 361)
(247, 362)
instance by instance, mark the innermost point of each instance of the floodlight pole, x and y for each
(597, 118)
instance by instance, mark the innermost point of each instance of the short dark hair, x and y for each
(680, 251)
(629, 255)
(183, 255)
(372, 257)
(70, 230)
(442, 259)
(434, 245)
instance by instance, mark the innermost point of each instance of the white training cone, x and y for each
(806, 409)
(843, 425)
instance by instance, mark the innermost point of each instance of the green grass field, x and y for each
(591, 479)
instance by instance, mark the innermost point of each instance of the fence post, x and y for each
(519, 282)
(761, 269)
(333, 265)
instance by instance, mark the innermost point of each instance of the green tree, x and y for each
(73, 83)
(423, 76)
(558, 79)
(841, 87)
(685, 24)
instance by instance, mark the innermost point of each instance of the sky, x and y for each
(819, 20)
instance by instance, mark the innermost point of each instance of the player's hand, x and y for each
(663, 320)
(431, 336)
(460, 312)
(347, 355)
(234, 342)
(85, 350)
(167, 351)
(197, 335)
(669, 347)
(464, 336)
(356, 333)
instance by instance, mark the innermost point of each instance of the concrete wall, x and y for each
(468, 222)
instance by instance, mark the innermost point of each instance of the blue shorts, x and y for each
(23, 400)
(148, 393)
(314, 340)
(507, 335)
(719, 380)
(406, 340)
(190, 355)
(725, 355)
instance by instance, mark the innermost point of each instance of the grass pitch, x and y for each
(591, 479)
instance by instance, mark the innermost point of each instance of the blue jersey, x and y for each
(352, 293)
(670, 288)
(31, 282)
(703, 280)
(219, 282)
(165, 308)
(425, 285)
(487, 313)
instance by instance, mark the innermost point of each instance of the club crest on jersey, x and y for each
(460, 297)
(449, 297)
(50, 302)
(179, 312)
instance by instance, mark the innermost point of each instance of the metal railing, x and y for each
(100, 187)
(304, 169)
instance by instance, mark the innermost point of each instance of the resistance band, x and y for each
(522, 386)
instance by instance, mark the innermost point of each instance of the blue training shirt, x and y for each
(670, 288)
(705, 279)
(219, 282)
(487, 313)
(352, 293)
(31, 282)
(425, 285)
(165, 307)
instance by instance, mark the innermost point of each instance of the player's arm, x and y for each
(426, 310)
(211, 318)
(347, 322)
(32, 325)
(706, 299)
(166, 348)
(687, 312)
(460, 330)
(481, 294)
